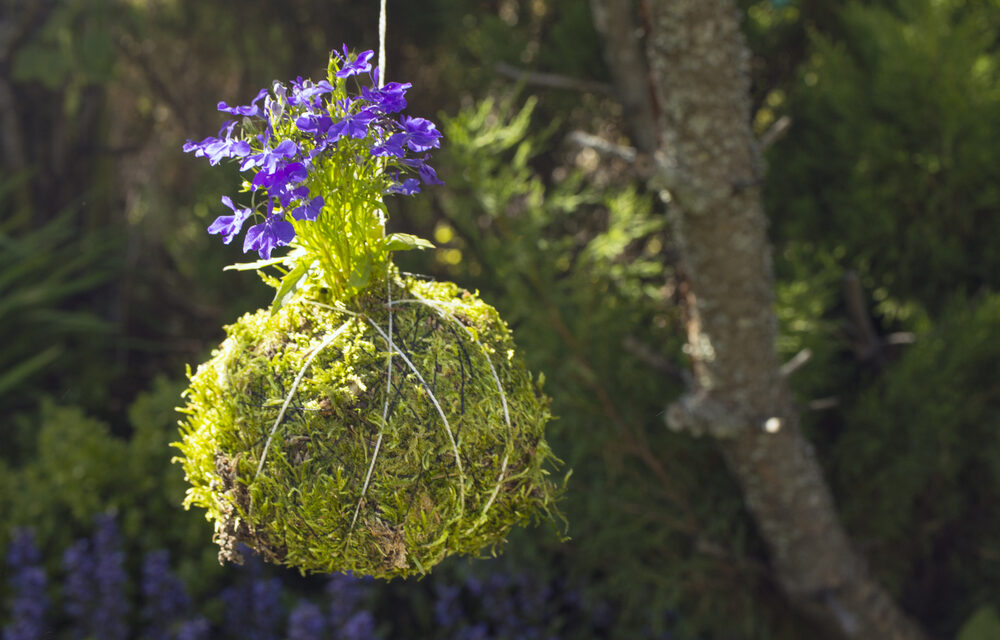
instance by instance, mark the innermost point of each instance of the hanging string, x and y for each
(388, 294)
(381, 45)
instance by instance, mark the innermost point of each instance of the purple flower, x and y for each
(408, 187)
(314, 123)
(196, 629)
(275, 231)
(360, 626)
(164, 597)
(216, 149)
(229, 226)
(27, 584)
(427, 174)
(252, 110)
(391, 98)
(306, 622)
(359, 65)
(304, 92)
(355, 126)
(281, 177)
(309, 210)
(424, 170)
(422, 133)
(447, 611)
(78, 590)
(392, 146)
(346, 593)
(111, 611)
(268, 158)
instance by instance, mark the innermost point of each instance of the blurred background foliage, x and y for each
(885, 214)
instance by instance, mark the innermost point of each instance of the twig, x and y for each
(600, 145)
(651, 357)
(775, 132)
(552, 80)
(795, 363)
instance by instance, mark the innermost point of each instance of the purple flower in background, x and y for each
(360, 65)
(164, 598)
(346, 593)
(78, 588)
(309, 210)
(306, 622)
(253, 604)
(111, 609)
(360, 626)
(477, 632)
(27, 585)
(229, 226)
(275, 231)
(196, 629)
(447, 611)
(252, 110)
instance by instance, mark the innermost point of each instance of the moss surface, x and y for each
(308, 386)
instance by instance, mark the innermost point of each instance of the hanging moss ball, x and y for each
(305, 441)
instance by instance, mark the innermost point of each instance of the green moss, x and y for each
(307, 385)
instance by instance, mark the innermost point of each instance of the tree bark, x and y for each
(708, 168)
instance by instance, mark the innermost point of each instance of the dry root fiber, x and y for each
(303, 442)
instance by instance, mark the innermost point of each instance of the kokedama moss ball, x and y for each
(283, 423)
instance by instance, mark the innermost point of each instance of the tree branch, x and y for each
(615, 21)
(707, 156)
(552, 80)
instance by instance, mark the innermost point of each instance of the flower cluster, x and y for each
(319, 160)
(27, 582)
(164, 597)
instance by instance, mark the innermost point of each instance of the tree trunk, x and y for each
(707, 166)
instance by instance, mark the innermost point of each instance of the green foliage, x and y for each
(73, 46)
(918, 470)
(45, 275)
(984, 624)
(891, 155)
(352, 471)
(80, 470)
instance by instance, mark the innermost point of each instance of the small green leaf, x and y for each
(250, 266)
(292, 280)
(405, 242)
(361, 274)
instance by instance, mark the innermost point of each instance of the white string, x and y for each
(388, 292)
(381, 45)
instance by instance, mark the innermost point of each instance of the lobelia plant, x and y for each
(367, 422)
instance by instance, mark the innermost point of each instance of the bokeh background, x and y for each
(881, 120)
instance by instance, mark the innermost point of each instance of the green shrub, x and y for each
(81, 469)
(890, 162)
(918, 469)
